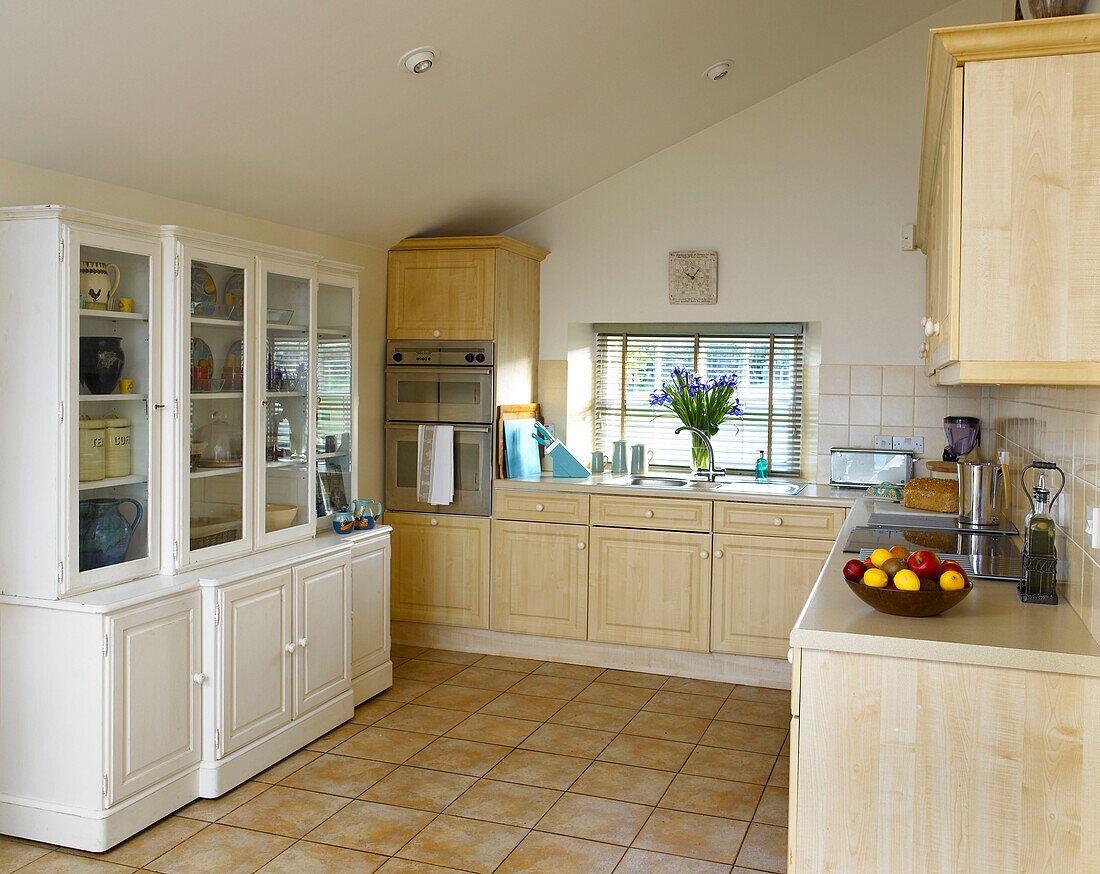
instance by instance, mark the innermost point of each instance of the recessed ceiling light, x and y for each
(418, 60)
(718, 71)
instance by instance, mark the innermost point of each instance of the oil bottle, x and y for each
(1040, 559)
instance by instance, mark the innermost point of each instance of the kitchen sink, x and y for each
(666, 482)
(755, 487)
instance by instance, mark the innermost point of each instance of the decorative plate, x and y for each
(204, 291)
(202, 365)
(233, 295)
(234, 357)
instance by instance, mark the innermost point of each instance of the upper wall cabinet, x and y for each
(460, 288)
(1009, 199)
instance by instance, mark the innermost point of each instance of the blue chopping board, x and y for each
(521, 450)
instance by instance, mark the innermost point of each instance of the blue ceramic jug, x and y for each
(366, 512)
(104, 532)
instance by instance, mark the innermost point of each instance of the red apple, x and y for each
(925, 564)
(853, 570)
(867, 563)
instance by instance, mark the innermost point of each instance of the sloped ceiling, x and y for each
(297, 111)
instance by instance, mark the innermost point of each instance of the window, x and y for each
(630, 365)
(333, 388)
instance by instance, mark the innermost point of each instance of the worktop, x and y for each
(990, 627)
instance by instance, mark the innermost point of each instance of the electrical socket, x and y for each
(1092, 527)
(913, 444)
(884, 441)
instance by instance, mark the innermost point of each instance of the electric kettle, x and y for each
(978, 493)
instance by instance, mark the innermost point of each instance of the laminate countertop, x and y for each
(990, 627)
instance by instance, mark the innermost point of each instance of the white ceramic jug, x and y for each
(96, 287)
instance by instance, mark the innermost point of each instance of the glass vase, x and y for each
(699, 458)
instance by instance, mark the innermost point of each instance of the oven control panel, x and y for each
(440, 353)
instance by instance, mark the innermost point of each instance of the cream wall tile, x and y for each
(862, 436)
(897, 379)
(830, 436)
(897, 412)
(929, 411)
(866, 410)
(834, 410)
(835, 379)
(866, 379)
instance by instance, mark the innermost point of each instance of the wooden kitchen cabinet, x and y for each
(440, 569)
(759, 587)
(650, 588)
(1009, 194)
(539, 579)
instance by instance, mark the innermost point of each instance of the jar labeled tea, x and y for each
(93, 455)
(119, 456)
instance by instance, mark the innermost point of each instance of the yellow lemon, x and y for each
(907, 581)
(875, 578)
(880, 556)
(951, 581)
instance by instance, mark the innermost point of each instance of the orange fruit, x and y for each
(899, 552)
(875, 578)
(907, 581)
(952, 581)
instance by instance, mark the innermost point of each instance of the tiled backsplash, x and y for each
(859, 401)
(1060, 425)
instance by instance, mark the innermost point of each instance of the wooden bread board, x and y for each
(511, 411)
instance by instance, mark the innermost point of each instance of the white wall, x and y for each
(803, 196)
(22, 185)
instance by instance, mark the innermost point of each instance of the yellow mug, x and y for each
(125, 304)
(126, 386)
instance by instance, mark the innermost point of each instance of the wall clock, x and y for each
(693, 277)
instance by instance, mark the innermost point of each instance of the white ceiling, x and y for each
(296, 110)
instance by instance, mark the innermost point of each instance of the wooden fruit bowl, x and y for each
(900, 603)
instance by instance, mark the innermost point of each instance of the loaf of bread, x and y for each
(926, 493)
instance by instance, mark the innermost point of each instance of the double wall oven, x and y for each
(436, 382)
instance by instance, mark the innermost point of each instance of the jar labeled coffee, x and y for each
(119, 455)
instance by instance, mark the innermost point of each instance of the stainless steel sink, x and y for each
(665, 482)
(755, 487)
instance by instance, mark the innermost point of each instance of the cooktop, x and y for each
(981, 555)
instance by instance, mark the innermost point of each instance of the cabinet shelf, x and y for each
(112, 397)
(323, 455)
(276, 326)
(287, 462)
(337, 333)
(112, 482)
(113, 316)
(217, 323)
(215, 395)
(205, 472)
(285, 394)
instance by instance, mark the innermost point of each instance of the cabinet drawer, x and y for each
(660, 514)
(778, 520)
(532, 506)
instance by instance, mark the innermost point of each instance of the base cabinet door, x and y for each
(440, 569)
(321, 666)
(154, 655)
(539, 579)
(760, 586)
(256, 659)
(650, 588)
(370, 607)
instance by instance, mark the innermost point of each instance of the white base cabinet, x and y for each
(371, 669)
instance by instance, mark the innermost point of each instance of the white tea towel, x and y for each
(435, 458)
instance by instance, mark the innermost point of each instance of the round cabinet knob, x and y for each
(199, 678)
(790, 656)
(777, 521)
(580, 544)
(936, 329)
(435, 333)
(704, 554)
(928, 328)
(922, 350)
(433, 521)
(538, 508)
(290, 647)
(649, 514)
(717, 553)
(303, 642)
(923, 321)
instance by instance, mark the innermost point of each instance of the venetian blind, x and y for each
(333, 388)
(630, 365)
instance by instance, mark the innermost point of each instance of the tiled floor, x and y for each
(492, 764)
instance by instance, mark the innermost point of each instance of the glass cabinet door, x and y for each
(114, 384)
(217, 291)
(286, 417)
(335, 413)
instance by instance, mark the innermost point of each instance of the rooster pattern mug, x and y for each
(96, 286)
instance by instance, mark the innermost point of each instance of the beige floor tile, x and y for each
(763, 694)
(485, 678)
(451, 656)
(287, 766)
(407, 866)
(285, 811)
(669, 726)
(339, 775)
(691, 834)
(545, 686)
(501, 730)
(426, 672)
(730, 764)
(755, 713)
(154, 841)
(781, 773)
(65, 863)
(305, 857)
(456, 697)
(371, 827)
(210, 809)
(508, 663)
(384, 745)
(773, 808)
(738, 736)
(698, 687)
(374, 709)
(532, 768)
(523, 706)
(223, 849)
(429, 720)
(786, 751)
(684, 704)
(633, 678)
(335, 737)
(647, 862)
(416, 787)
(568, 740)
(15, 854)
(405, 651)
(764, 848)
(469, 844)
(508, 803)
(647, 752)
(598, 819)
(403, 690)
(623, 782)
(713, 797)
(577, 672)
(613, 695)
(585, 715)
(543, 853)
(459, 756)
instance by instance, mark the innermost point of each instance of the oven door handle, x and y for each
(479, 429)
(476, 429)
